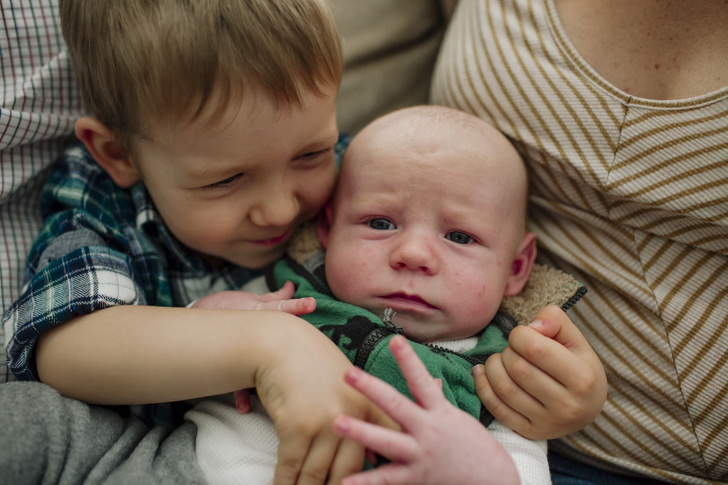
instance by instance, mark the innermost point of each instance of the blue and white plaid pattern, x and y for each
(114, 250)
(121, 254)
(39, 103)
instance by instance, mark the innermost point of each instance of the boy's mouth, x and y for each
(273, 241)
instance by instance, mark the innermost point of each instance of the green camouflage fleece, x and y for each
(364, 337)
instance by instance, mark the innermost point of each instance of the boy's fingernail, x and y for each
(477, 370)
(536, 324)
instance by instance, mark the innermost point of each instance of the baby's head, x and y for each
(224, 109)
(429, 219)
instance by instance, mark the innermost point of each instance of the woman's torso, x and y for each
(630, 195)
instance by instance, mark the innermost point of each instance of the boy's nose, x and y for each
(278, 209)
(415, 253)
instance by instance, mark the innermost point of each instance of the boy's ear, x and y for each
(113, 157)
(521, 266)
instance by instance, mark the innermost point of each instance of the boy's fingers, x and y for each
(320, 458)
(242, 400)
(289, 463)
(303, 460)
(349, 459)
(426, 391)
(390, 474)
(393, 445)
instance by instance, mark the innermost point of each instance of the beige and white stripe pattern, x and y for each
(631, 196)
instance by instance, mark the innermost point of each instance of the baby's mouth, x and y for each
(404, 302)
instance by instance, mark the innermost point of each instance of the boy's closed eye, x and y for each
(313, 155)
(223, 183)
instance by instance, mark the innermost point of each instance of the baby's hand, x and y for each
(547, 383)
(438, 443)
(280, 300)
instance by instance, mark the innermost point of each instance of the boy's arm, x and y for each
(547, 383)
(141, 354)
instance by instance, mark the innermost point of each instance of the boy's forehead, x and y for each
(257, 106)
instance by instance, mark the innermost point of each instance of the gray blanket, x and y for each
(48, 439)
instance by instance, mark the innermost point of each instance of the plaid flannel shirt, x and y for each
(100, 246)
(39, 103)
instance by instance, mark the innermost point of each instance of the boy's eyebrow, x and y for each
(222, 171)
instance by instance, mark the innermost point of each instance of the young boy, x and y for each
(214, 137)
(428, 220)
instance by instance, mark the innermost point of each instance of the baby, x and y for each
(427, 232)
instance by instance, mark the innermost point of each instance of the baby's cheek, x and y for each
(360, 273)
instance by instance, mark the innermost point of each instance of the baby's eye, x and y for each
(459, 237)
(381, 225)
(223, 183)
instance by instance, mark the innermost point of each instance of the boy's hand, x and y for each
(280, 300)
(438, 443)
(301, 386)
(547, 383)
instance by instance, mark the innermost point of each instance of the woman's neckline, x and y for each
(565, 43)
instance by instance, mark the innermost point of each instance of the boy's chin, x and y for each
(260, 261)
(256, 261)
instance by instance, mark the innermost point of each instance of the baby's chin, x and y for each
(422, 330)
(415, 327)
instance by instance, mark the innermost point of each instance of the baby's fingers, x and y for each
(500, 395)
(393, 403)
(391, 444)
(426, 390)
(285, 292)
(297, 307)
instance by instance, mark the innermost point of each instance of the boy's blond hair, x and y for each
(143, 61)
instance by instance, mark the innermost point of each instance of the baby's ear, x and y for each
(112, 156)
(521, 266)
(323, 224)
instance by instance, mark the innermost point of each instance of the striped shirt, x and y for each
(630, 196)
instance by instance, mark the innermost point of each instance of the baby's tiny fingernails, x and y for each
(353, 374)
(342, 424)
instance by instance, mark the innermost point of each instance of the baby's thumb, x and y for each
(553, 323)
